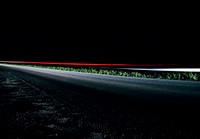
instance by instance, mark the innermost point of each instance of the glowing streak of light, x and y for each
(89, 64)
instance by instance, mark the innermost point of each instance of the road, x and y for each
(49, 103)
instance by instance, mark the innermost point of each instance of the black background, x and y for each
(133, 36)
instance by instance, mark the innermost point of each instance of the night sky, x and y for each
(138, 39)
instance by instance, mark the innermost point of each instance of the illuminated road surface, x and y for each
(107, 106)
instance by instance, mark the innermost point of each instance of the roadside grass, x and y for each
(193, 76)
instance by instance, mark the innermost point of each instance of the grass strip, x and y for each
(193, 76)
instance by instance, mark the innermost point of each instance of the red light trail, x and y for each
(72, 64)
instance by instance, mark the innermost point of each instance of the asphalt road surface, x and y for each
(46, 103)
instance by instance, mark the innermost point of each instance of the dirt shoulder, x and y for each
(27, 112)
